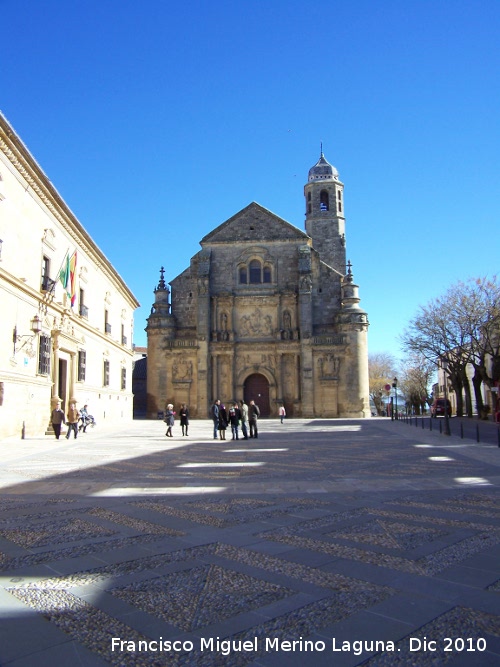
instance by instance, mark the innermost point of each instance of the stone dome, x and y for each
(323, 171)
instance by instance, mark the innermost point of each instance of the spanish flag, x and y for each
(67, 276)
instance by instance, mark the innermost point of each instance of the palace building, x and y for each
(265, 311)
(66, 331)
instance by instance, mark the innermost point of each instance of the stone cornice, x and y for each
(25, 164)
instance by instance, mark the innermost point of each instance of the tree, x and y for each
(415, 379)
(435, 335)
(381, 371)
(460, 328)
(481, 310)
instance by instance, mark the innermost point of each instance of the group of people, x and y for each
(239, 415)
(170, 419)
(58, 418)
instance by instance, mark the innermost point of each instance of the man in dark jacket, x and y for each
(253, 416)
(215, 412)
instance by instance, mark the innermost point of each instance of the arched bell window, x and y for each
(324, 201)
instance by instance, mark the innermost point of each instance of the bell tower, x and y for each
(325, 222)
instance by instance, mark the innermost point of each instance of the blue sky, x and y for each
(157, 121)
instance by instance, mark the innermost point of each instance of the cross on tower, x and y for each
(161, 284)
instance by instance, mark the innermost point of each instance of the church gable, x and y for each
(254, 223)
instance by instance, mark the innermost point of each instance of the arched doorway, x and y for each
(256, 388)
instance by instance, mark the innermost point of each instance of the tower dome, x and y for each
(323, 171)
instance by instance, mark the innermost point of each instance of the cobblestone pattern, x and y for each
(398, 533)
(458, 624)
(240, 510)
(195, 597)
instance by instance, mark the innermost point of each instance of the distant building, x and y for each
(67, 319)
(267, 312)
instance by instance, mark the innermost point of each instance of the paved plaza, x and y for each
(324, 542)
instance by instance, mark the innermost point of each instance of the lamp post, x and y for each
(446, 416)
(395, 387)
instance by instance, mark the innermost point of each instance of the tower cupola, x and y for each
(323, 171)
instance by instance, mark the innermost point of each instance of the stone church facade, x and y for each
(266, 312)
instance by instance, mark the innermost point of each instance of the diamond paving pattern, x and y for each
(199, 596)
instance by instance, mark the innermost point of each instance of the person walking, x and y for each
(84, 416)
(223, 420)
(214, 411)
(169, 419)
(282, 412)
(57, 418)
(73, 419)
(234, 420)
(184, 416)
(253, 416)
(244, 419)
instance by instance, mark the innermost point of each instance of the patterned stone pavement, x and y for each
(323, 542)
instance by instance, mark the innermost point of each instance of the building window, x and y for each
(255, 272)
(124, 338)
(324, 203)
(82, 361)
(107, 325)
(44, 356)
(82, 308)
(124, 379)
(47, 282)
(105, 379)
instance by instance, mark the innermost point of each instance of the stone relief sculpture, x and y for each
(225, 376)
(256, 324)
(305, 284)
(287, 320)
(288, 376)
(328, 366)
(182, 370)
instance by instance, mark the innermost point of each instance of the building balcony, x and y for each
(47, 284)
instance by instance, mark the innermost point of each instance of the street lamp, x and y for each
(36, 328)
(395, 387)
(444, 366)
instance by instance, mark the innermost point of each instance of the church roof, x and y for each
(254, 223)
(323, 171)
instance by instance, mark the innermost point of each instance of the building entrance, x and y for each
(63, 384)
(256, 388)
